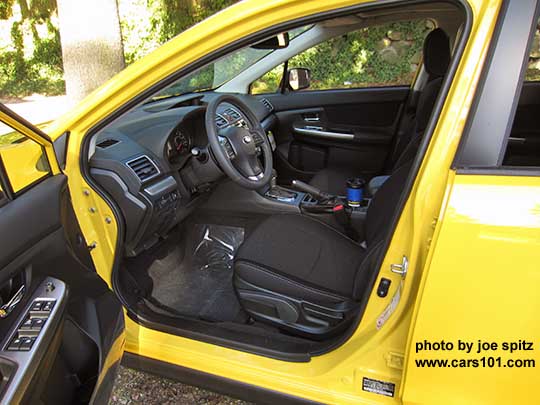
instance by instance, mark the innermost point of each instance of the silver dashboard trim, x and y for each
(166, 185)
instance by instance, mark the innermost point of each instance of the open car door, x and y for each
(61, 327)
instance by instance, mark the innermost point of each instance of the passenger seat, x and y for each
(437, 57)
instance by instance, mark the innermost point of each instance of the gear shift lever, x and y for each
(279, 193)
(314, 191)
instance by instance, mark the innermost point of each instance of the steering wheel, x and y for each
(235, 148)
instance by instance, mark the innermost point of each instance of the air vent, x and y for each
(232, 113)
(221, 122)
(107, 143)
(143, 168)
(267, 104)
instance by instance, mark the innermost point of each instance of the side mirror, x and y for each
(278, 41)
(299, 78)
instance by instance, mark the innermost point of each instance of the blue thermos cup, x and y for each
(355, 191)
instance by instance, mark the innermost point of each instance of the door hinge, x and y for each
(401, 268)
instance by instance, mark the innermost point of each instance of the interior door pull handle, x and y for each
(6, 309)
(312, 118)
(319, 132)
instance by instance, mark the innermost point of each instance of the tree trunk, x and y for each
(92, 49)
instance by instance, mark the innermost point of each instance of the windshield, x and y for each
(215, 74)
(220, 71)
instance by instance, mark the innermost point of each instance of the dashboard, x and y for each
(155, 163)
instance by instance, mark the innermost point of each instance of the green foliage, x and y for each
(41, 72)
(6, 9)
(362, 58)
(175, 16)
(385, 55)
(269, 82)
(365, 58)
(42, 10)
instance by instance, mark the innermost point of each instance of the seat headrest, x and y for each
(437, 53)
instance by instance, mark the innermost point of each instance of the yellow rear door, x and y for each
(475, 336)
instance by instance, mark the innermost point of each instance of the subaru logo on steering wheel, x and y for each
(247, 139)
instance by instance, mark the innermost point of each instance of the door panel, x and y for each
(81, 340)
(524, 142)
(481, 284)
(335, 128)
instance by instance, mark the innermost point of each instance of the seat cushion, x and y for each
(333, 181)
(295, 254)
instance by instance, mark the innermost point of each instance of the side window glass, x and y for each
(533, 67)
(270, 82)
(24, 160)
(523, 146)
(378, 56)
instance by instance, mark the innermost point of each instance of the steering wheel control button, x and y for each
(384, 286)
(257, 138)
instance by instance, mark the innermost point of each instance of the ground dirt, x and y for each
(136, 387)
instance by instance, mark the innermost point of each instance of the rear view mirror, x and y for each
(299, 78)
(278, 41)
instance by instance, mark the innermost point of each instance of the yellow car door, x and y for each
(58, 318)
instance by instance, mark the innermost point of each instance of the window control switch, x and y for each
(37, 324)
(47, 306)
(26, 326)
(36, 306)
(15, 344)
(42, 308)
(26, 344)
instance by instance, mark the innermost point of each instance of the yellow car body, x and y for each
(473, 265)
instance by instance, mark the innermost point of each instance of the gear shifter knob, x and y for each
(314, 191)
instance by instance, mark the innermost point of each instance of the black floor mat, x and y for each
(190, 272)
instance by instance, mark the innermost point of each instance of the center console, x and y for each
(334, 210)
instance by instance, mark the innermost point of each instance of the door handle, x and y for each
(312, 117)
(514, 139)
(319, 132)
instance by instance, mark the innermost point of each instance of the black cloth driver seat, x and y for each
(301, 275)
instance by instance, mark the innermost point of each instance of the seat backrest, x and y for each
(378, 221)
(381, 211)
(437, 57)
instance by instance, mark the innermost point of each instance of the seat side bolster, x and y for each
(275, 281)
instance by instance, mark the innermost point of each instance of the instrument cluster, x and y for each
(178, 145)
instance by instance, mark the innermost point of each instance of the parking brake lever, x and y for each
(314, 191)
